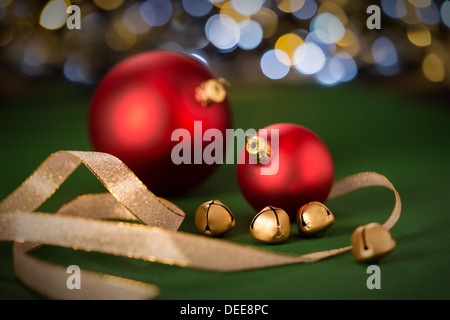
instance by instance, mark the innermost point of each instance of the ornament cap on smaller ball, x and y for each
(286, 165)
(371, 243)
(213, 218)
(258, 148)
(314, 219)
(271, 225)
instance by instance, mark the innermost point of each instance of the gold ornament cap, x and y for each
(371, 243)
(211, 91)
(213, 218)
(258, 148)
(271, 225)
(314, 219)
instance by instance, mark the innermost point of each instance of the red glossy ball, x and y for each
(305, 170)
(138, 105)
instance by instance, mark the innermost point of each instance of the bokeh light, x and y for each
(118, 37)
(227, 10)
(309, 58)
(108, 4)
(134, 21)
(328, 28)
(222, 31)
(420, 3)
(288, 43)
(271, 65)
(197, 8)
(335, 9)
(327, 48)
(429, 15)
(251, 34)
(419, 35)
(445, 13)
(268, 20)
(54, 14)
(156, 12)
(350, 43)
(323, 41)
(247, 7)
(76, 69)
(290, 5)
(307, 11)
(349, 65)
(394, 8)
(35, 56)
(331, 73)
(384, 52)
(433, 68)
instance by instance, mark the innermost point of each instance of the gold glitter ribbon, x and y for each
(81, 224)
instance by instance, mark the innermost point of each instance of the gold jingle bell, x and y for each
(271, 225)
(314, 219)
(371, 242)
(213, 218)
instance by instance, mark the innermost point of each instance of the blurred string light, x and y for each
(320, 40)
(309, 58)
(247, 7)
(290, 6)
(428, 14)
(419, 35)
(350, 43)
(118, 37)
(156, 12)
(394, 8)
(329, 29)
(287, 44)
(35, 57)
(350, 68)
(307, 11)
(445, 13)
(271, 64)
(251, 34)
(197, 8)
(433, 68)
(268, 20)
(385, 55)
(223, 32)
(421, 18)
(134, 21)
(108, 4)
(54, 14)
(332, 72)
(77, 70)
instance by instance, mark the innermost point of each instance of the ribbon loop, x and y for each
(114, 175)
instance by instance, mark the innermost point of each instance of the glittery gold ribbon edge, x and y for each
(264, 258)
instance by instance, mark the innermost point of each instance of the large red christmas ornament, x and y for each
(299, 168)
(141, 102)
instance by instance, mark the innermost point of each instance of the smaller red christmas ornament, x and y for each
(285, 165)
(139, 105)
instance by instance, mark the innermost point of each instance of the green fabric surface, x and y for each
(404, 138)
